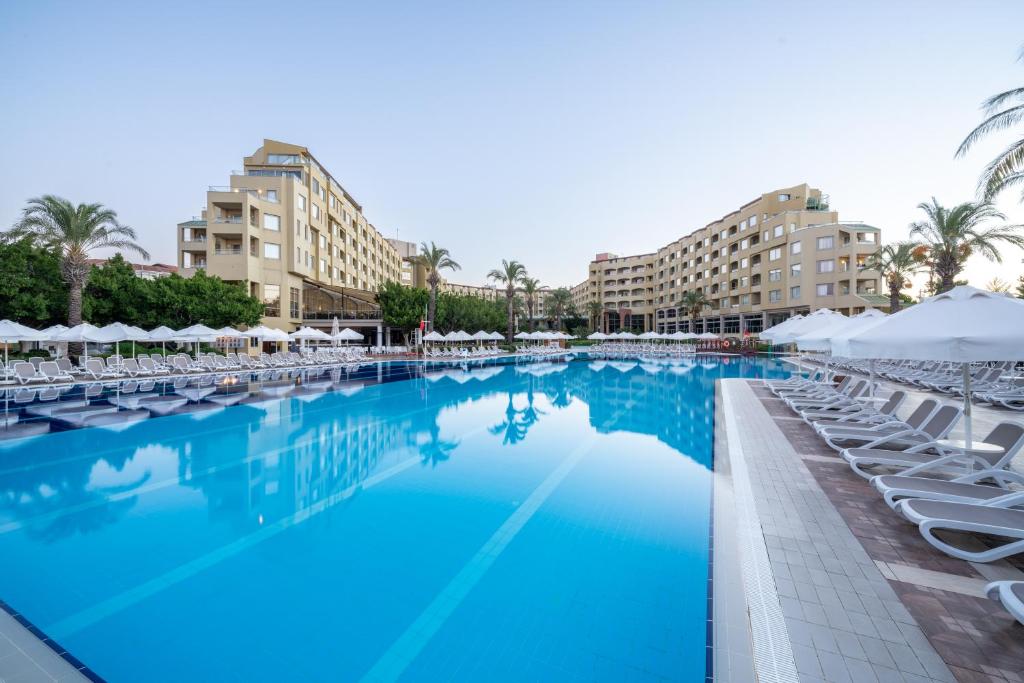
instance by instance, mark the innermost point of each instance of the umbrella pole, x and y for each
(871, 378)
(967, 403)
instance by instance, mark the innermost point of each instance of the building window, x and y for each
(826, 266)
(794, 248)
(316, 186)
(775, 296)
(753, 220)
(323, 265)
(283, 159)
(272, 301)
(794, 270)
(271, 222)
(293, 303)
(271, 195)
(775, 275)
(794, 292)
(779, 230)
(825, 242)
(743, 226)
(302, 203)
(272, 251)
(774, 254)
(783, 197)
(316, 211)
(826, 289)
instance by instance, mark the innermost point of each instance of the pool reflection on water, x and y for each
(497, 521)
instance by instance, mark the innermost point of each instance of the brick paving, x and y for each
(974, 636)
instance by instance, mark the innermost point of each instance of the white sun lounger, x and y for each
(996, 519)
(1010, 594)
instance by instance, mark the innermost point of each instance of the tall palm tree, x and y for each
(895, 263)
(1001, 111)
(953, 235)
(434, 259)
(531, 286)
(558, 302)
(692, 303)
(511, 274)
(73, 232)
(594, 313)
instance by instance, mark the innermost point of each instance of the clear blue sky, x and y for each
(540, 131)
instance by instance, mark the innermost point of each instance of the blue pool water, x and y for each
(541, 521)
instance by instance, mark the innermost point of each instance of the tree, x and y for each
(402, 307)
(692, 303)
(558, 302)
(510, 274)
(1020, 287)
(33, 292)
(531, 286)
(73, 232)
(434, 259)
(997, 285)
(953, 235)
(1002, 111)
(467, 312)
(113, 293)
(896, 263)
(594, 313)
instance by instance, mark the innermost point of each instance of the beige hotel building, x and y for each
(783, 253)
(290, 230)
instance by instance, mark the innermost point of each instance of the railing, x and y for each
(269, 173)
(228, 219)
(233, 251)
(370, 314)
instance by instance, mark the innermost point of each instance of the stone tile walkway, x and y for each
(975, 637)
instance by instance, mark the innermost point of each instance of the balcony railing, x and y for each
(228, 219)
(365, 314)
(228, 251)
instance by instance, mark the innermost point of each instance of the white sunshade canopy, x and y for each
(707, 335)
(118, 332)
(807, 324)
(309, 333)
(597, 336)
(625, 335)
(480, 335)
(83, 332)
(266, 334)
(650, 335)
(228, 332)
(433, 337)
(770, 333)
(497, 336)
(198, 333)
(523, 335)
(452, 336)
(348, 334)
(53, 330)
(162, 334)
(962, 325)
(11, 331)
(820, 339)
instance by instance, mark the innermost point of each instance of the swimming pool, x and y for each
(500, 521)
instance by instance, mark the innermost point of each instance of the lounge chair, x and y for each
(859, 415)
(1009, 594)
(961, 489)
(908, 448)
(996, 519)
(26, 373)
(838, 435)
(94, 367)
(53, 373)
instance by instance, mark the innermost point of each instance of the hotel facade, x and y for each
(785, 252)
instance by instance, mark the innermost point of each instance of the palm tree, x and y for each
(73, 231)
(594, 313)
(895, 263)
(511, 274)
(531, 286)
(558, 302)
(997, 285)
(692, 303)
(1002, 111)
(433, 259)
(953, 235)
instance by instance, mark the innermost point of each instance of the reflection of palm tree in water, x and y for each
(517, 423)
(436, 450)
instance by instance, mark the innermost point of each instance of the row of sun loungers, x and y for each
(463, 352)
(151, 365)
(993, 383)
(633, 349)
(945, 491)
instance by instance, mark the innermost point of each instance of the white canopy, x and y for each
(11, 332)
(228, 332)
(523, 335)
(348, 334)
(309, 333)
(497, 336)
(197, 333)
(625, 335)
(806, 324)
(162, 334)
(480, 335)
(83, 332)
(770, 333)
(53, 330)
(649, 335)
(707, 335)
(265, 333)
(962, 325)
(452, 336)
(821, 338)
(433, 337)
(118, 332)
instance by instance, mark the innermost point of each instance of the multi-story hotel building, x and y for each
(783, 253)
(290, 230)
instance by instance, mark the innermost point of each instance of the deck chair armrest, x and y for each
(1001, 477)
(1009, 500)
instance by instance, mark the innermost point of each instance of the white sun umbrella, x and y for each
(707, 335)
(963, 325)
(808, 323)
(522, 335)
(12, 333)
(304, 334)
(770, 333)
(433, 336)
(198, 333)
(480, 336)
(228, 333)
(335, 329)
(162, 334)
(649, 335)
(119, 332)
(348, 334)
(82, 333)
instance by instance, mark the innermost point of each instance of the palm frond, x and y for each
(997, 122)
(997, 173)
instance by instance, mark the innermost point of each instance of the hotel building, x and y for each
(783, 253)
(286, 227)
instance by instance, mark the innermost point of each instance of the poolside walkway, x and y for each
(26, 658)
